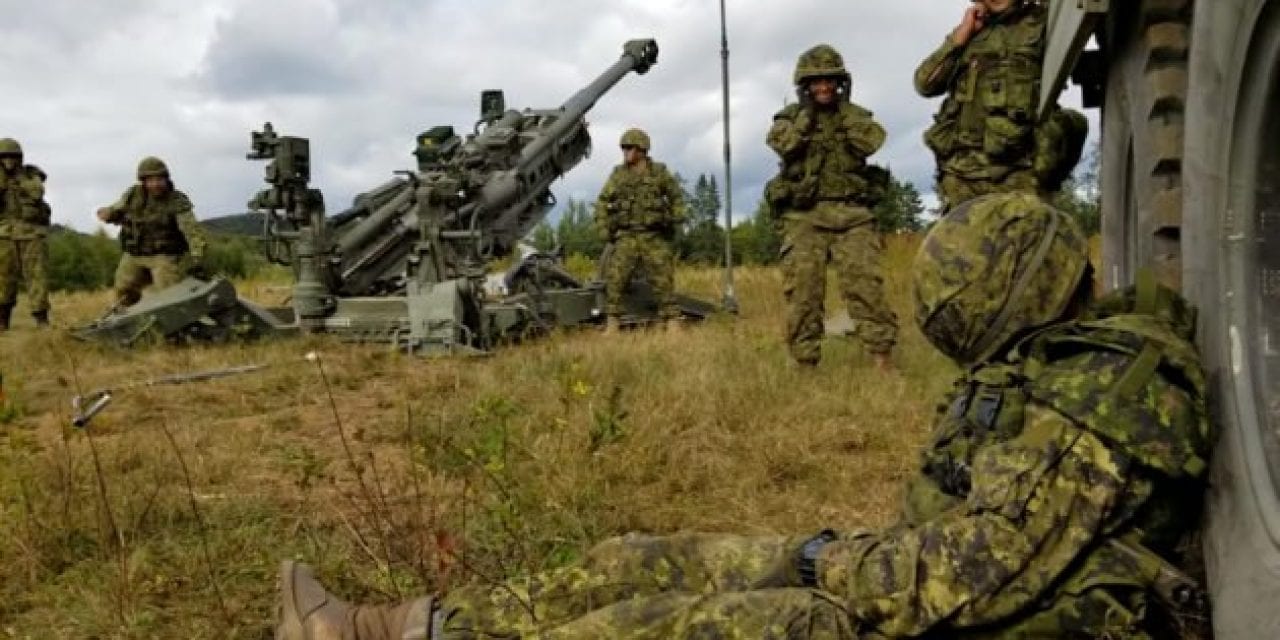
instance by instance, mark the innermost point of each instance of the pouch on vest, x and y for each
(1004, 137)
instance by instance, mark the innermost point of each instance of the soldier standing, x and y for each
(638, 211)
(161, 238)
(1062, 474)
(986, 137)
(24, 233)
(824, 193)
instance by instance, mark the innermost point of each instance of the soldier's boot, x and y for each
(41, 318)
(6, 313)
(308, 612)
(612, 326)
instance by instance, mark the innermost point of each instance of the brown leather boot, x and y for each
(6, 313)
(41, 318)
(308, 612)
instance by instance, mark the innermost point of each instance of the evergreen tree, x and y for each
(901, 209)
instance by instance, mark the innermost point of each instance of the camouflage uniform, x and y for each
(1062, 473)
(161, 238)
(985, 136)
(24, 231)
(824, 193)
(638, 211)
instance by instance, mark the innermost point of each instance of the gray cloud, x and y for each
(92, 87)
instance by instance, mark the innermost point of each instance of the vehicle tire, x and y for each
(1142, 139)
(1231, 271)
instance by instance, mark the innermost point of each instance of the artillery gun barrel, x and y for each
(637, 55)
(506, 201)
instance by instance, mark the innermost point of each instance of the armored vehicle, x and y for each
(1190, 99)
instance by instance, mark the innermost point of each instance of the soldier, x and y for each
(1063, 471)
(824, 193)
(161, 238)
(638, 211)
(985, 136)
(24, 233)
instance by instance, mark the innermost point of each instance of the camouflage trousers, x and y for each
(25, 262)
(643, 587)
(953, 189)
(855, 253)
(648, 252)
(134, 273)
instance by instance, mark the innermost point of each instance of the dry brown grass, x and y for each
(459, 469)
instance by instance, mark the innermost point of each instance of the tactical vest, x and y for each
(23, 198)
(834, 165)
(639, 201)
(149, 226)
(1117, 375)
(992, 102)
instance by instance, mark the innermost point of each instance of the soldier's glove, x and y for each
(798, 568)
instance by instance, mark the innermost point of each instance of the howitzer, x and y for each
(406, 263)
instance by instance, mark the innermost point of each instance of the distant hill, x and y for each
(243, 224)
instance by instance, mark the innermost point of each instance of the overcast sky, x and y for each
(91, 87)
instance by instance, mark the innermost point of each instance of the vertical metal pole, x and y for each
(730, 302)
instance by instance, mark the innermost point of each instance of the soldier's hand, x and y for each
(970, 24)
(104, 214)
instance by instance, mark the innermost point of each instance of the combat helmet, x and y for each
(635, 138)
(152, 166)
(821, 61)
(992, 269)
(10, 147)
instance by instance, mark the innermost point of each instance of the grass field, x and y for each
(395, 475)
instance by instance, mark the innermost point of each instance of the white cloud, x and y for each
(91, 87)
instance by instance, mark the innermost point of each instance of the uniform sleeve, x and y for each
(118, 207)
(1037, 502)
(197, 241)
(789, 133)
(934, 75)
(866, 136)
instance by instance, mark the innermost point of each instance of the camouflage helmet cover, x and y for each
(821, 61)
(152, 166)
(10, 147)
(993, 268)
(635, 138)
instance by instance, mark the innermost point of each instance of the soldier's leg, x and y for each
(35, 261)
(9, 268)
(800, 614)
(804, 285)
(614, 571)
(131, 277)
(660, 265)
(166, 271)
(622, 266)
(857, 255)
(617, 570)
